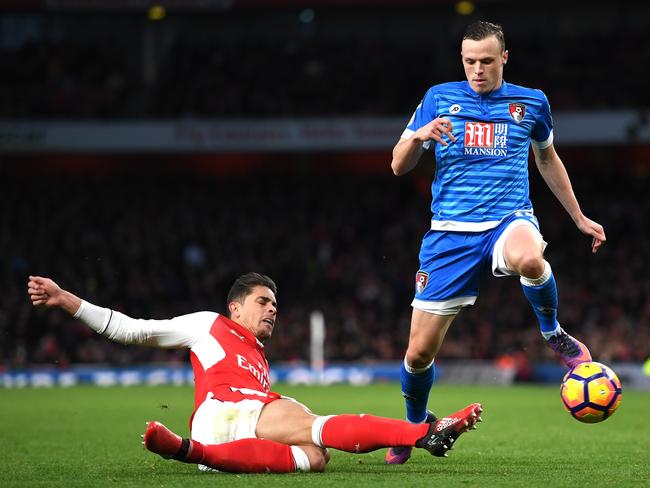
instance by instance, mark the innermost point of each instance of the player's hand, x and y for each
(436, 130)
(594, 229)
(44, 291)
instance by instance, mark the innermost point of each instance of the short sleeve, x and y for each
(424, 113)
(542, 133)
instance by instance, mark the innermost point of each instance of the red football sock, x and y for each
(365, 433)
(244, 456)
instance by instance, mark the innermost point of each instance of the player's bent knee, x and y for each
(531, 265)
(526, 262)
(418, 358)
(317, 456)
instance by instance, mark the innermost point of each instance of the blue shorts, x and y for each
(452, 264)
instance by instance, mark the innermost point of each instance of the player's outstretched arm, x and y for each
(45, 292)
(407, 152)
(182, 331)
(556, 177)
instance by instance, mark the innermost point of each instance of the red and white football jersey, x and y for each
(227, 359)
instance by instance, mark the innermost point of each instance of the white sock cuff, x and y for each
(300, 459)
(558, 329)
(317, 429)
(412, 370)
(546, 275)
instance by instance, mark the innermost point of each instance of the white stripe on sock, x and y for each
(557, 330)
(412, 370)
(546, 275)
(317, 429)
(300, 459)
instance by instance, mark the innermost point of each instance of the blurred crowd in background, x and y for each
(155, 244)
(292, 62)
(343, 243)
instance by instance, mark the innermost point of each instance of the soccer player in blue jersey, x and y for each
(482, 217)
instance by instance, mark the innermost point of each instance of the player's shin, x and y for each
(365, 433)
(416, 385)
(254, 456)
(541, 293)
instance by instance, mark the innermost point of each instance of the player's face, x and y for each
(483, 62)
(257, 313)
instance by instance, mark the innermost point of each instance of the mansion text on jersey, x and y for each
(486, 151)
(486, 139)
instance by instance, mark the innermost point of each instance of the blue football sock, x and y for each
(542, 295)
(416, 385)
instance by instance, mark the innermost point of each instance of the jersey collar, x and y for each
(502, 90)
(248, 335)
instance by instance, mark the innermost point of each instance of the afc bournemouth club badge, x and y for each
(517, 111)
(421, 280)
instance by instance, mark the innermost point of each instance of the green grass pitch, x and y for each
(88, 436)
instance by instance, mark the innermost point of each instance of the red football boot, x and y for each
(444, 432)
(162, 441)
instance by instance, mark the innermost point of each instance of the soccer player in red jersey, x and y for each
(240, 425)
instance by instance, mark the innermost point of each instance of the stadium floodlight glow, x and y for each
(465, 7)
(307, 16)
(156, 12)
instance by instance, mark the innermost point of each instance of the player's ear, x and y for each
(505, 56)
(233, 307)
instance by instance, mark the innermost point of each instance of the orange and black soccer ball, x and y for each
(591, 392)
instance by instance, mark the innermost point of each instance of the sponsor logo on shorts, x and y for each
(517, 111)
(486, 139)
(421, 280)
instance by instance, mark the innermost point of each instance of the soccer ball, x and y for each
(591, 392)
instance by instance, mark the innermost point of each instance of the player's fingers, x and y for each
(439, 139)
(448, 129)
(37, 279)
(595, 245)
(445, 126)
(438, 135)
(35, 288)
(451, 135)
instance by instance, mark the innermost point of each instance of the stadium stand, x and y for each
(148, 236)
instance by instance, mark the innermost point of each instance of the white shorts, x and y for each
(499, 266)
(216, 422)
